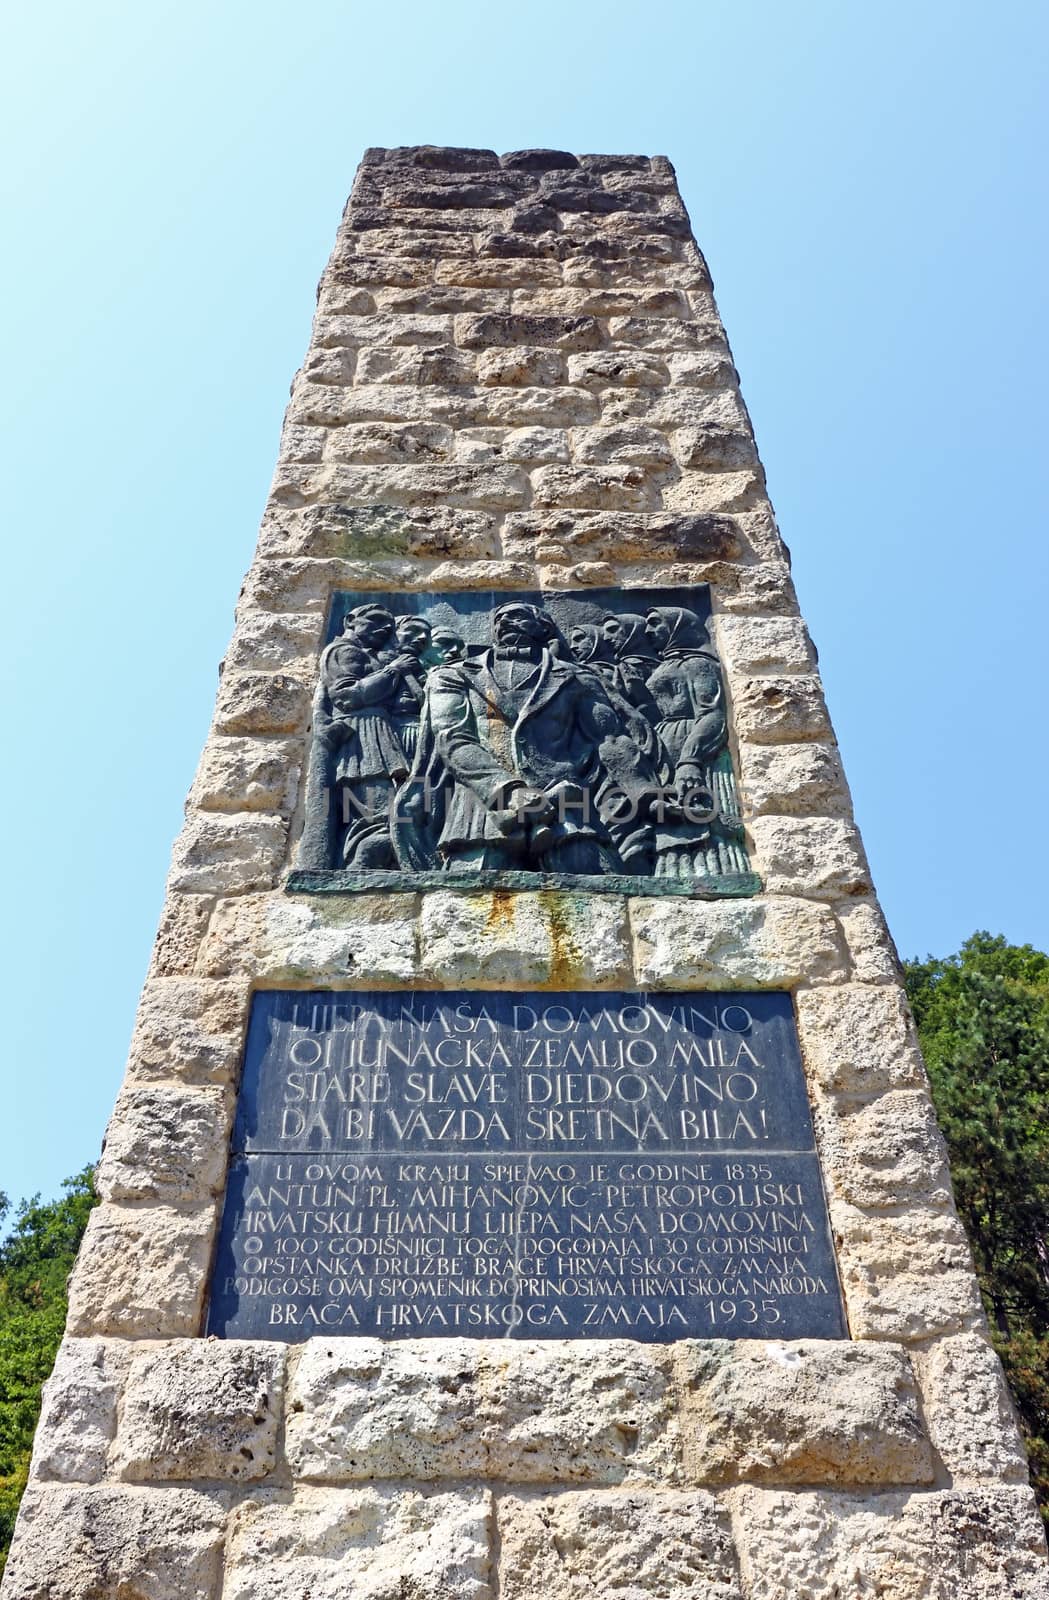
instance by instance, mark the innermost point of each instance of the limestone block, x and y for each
(142, 1273)
(871, 946)
(228, 852)
(564, 333)
(588, 1546)
(344, 271)
(971, 1418)
(885, 1152)
(793, 778)
(668, 333)
(734, 944)
(316, 938)
(500, 274)
(549, 1412)
(980, 1544)
(811, 1411)
(328, 367)
(714, 446)
(525, 365)
(247, 775)
(114, 1543)
(859, 1040)
(165, 1143)
(631, 443)
(371, 442)
(183, 924)
(706, 368)
(201, 1409)
(413, 364)
(626, 300)
(385, 329)
(527, 445)
(526, 407)
(261, 702)
(562, 534)
(367, 532)
(701, 493)
(622, 368)
(188, 1028)
(330, 407)
(618, 488)
(441, 298)
(372, 1543)
(905, 1277)
(302, 444)
(269, 641)
(771, 709)
(78, 1418)
(819, 856)
(764, 644)
(494, 488)
(508, 940)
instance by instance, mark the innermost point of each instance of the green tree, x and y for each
(35, 1262)
(983, 1021)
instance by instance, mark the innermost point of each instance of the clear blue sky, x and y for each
(868, 185)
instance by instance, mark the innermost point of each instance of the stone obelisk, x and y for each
(525, 1181)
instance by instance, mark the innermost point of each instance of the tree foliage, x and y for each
(35, 1262)
(983, 1020)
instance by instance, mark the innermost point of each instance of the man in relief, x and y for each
(519, 745)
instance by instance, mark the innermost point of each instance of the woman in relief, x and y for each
(692, 729)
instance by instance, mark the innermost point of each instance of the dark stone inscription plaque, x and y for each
(522, 740)
(534, 1165)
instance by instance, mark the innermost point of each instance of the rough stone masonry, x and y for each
(518, 380)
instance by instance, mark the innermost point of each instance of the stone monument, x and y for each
(525, 1181)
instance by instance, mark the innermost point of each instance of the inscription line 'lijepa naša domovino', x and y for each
(535, 1165)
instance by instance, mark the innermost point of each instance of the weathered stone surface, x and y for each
(115, 1543)
(556, 1411)
(375, 1543)
(531, 446)
(871, 946)
(764, 644)
(706, 493)
(625, 368)
(201, 1409)
(796, 779)
(183, 923)
(495, 488)
(981, 1544)
(316, 938)
(269, 641)
(618, 488)
(141, 1273)
(812, 1411)
(408, 364)
(859, 1040)
(504, 940)
(631, 443)
(819, 856)
(228, 852)
(261, 702)
(773, 709)
(619, 535)
(378, 532)
(617, 1544)
(885, 1152)
(970, 1415)
(716, 446)
(565, 333)
(247, 775)
(79, 1415)
(734, 944)
(521, 365)
(188, 1028)
(905, 1277)
(165, 1143)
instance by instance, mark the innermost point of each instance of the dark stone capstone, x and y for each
(533, 1165)
(476, 738)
